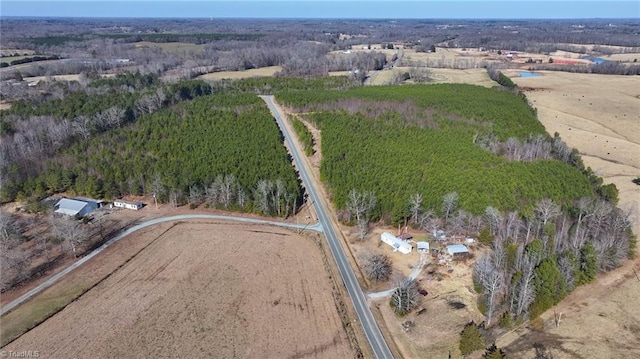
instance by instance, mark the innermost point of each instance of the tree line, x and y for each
(394, 154)
(199, 151)
(34, 132)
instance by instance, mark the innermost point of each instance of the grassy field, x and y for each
(598, 115)
(264, 71)
(8, 59)
(170, 46)
(191, 292)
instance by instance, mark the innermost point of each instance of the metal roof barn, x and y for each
(457, 249)
(71, 207)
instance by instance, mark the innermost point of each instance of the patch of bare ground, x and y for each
(204, 289)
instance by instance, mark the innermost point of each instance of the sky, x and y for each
(354, 9)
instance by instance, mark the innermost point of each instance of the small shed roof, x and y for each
(70, 207)
(457, 248)
(423, 246)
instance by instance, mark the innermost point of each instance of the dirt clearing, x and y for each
(204, 289)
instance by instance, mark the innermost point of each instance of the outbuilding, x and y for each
(127, 204)
(398, 244)
(423, 247)
(457, 250)
(75, 207)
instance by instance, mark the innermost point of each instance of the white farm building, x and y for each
(127, 204)
(423, 247)
(79, 207)
(398, 244)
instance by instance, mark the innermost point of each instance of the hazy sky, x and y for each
(414, 9)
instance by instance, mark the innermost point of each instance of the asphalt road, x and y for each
(46, 284)
(371, 329)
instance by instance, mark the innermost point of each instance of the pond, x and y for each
(529, 74)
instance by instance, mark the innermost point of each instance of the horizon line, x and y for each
(316, 18)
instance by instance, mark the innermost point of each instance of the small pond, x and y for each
(529, 74)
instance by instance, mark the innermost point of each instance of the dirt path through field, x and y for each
(204, 290)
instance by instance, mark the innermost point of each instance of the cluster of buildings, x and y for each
(81, 206)
(403, 244)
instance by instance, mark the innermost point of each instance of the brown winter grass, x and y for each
(170, 46)
(600, 116)
(53, 299)
(263, 71)
(203, 289)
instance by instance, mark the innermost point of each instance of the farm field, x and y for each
(468, 76)
(190, 293)
(8, 59)
(76, 77)
(169, 46)
(599, 116)
(264, 71)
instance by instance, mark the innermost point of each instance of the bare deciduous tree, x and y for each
(82, 126)
(524, 289)
(491, 279)
(547, 210)
(494, 219)
(360, 205)
(262, 195)
(195, 195)
(70, 231)
(377, 267)
(449, 204)
(415, 207)
(406, 296)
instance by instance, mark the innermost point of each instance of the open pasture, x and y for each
(204, 289)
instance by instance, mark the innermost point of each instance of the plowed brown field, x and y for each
(201, 289)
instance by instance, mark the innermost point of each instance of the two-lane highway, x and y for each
(371, 329)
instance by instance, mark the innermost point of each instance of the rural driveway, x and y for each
(414, 274)
(371, 329)
(315, 227)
